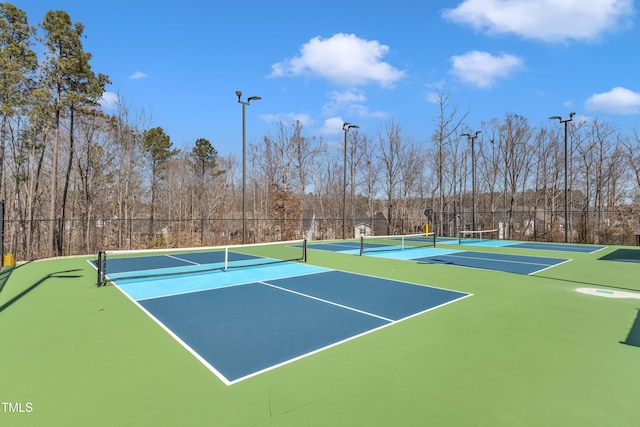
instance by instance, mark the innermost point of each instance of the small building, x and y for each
(362, 230)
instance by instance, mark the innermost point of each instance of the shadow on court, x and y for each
(581, 282)
(623, 255)
(5, 273)
(56, 275)
(633, 338)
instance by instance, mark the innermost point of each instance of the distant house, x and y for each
(362, 230)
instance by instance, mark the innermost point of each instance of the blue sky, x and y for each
(367, 63)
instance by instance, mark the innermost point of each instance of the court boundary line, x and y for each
(186, 260)
(542, 244)
(227, 382)
(501, 260)
(179, 340)
(550, 267)
(547, 267)
(326, 301)
(353, 337)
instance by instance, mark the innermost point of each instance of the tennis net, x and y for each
(142, 264)
(370, 244)
(471, 236)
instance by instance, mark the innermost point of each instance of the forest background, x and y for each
(75, 180)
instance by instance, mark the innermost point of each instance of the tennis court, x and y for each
(524, 350)
(265, 312)
(519, 264)
(419, 248)
(492, 241)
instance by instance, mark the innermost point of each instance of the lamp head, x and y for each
(476, 135)
(353, 126)
(571, 115)
(345, 125)
(253, 98)
(465, 134)
(238, 94)
(555, 117)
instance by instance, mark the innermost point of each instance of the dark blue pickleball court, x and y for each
(520, 264)
(562, 247)
(241, 330)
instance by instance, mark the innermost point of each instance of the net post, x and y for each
(226, 259)
(361, 245)
(433, 234)
(304, 250)
(101, 264)
(99, 268)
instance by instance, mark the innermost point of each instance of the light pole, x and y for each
(345, 127)
(244, 162)
(473, 176)
(566, 193)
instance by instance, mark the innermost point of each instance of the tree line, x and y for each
(76, 179)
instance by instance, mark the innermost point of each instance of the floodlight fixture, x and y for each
(244, 161)
(346, 126)
(472, 139)
(566, 174)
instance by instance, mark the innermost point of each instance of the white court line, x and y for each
(503, 260)
(550, 266)
(328, 302)
(185, 260)
(337, 343)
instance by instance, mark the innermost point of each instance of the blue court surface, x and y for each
(519, 264)
(562, 247)
(243, 322)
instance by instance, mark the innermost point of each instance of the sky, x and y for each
(179, 64)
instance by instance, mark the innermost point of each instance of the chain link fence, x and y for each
(33, 240)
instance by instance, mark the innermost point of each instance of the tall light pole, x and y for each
(244, 162)
(473, 176)
(345, 127)
(566, 180)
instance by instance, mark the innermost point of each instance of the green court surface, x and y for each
(521, 351)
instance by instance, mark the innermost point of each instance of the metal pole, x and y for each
(345, 127)
(566, 193)
(244, 161)
(344, 182)
(473, 176)
(566, 174)
(473, 183)
(244, 174)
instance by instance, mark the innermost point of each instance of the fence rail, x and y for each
(32, 240)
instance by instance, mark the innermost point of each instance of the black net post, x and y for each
(304, 250)
(101, 265)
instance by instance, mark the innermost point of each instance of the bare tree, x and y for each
(390, 150)
(447, 125)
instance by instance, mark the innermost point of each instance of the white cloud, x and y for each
(546, 20)
(482, 69)
(618, 100)
(343, 59)
(286, 118)
(332, 126)
(138, 75)
(109, 100)
(341, 101)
